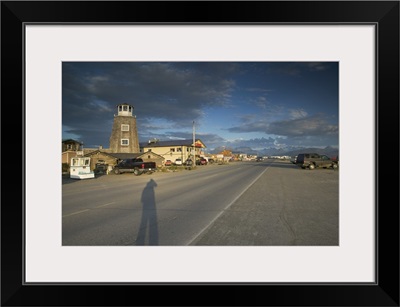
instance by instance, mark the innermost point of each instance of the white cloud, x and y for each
(297, 113)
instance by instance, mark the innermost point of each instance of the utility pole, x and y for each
(194, 148)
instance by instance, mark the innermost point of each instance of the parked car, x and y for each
(178, 161)
(201, 161)
(211, 161)
(100, 167)
(314, 160)
(168, 163)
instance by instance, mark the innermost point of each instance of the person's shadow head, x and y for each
(151, 183)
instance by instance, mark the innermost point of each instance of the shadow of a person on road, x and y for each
(149, 216)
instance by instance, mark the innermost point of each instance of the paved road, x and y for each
(286, 206)
(249, 203)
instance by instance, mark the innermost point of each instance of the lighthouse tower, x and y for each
(124, 136)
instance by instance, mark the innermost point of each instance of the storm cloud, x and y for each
(233, 103)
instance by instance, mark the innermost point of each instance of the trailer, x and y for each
(80, 168)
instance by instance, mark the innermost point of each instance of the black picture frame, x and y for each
(383, 14)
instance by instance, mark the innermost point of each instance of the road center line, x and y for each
(76, 212)
(230, 204)
(105, 205)
(88, 209)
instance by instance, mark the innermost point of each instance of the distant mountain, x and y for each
(329, 151)
(290, 151)
(246, 150)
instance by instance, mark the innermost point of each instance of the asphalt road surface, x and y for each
(240, 204)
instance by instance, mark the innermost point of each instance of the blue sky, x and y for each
(234, 104)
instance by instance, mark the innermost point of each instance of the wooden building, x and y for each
(111, 159)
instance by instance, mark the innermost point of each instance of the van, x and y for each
(314, 160)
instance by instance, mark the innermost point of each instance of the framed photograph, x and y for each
(66, 64)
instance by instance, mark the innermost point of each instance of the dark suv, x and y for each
(313, 160)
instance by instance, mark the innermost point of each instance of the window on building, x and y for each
(125, 108)
(179, 149)
(124, 142)
(172, 149)
(124, 127)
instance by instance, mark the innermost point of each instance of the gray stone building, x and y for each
(124, 137)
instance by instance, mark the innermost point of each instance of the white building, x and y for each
(175, 149)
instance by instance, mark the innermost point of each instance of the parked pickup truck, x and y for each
(136, 166)
(314, 160)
